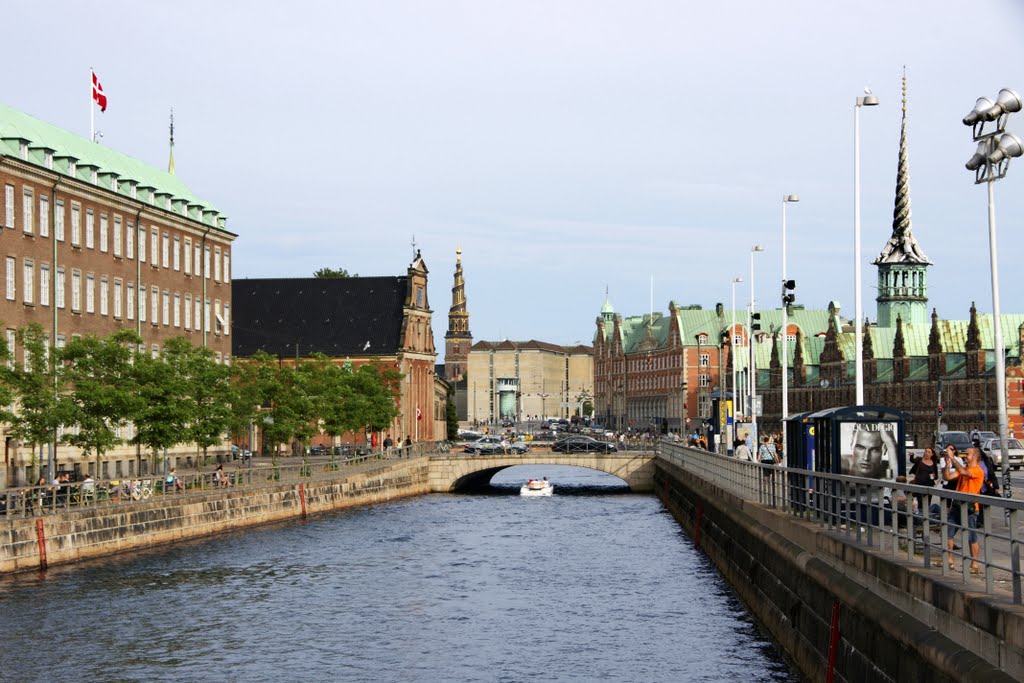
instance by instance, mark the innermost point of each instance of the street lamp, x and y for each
(865, 100)
(751, 370)
(732, 359)
(787, 299)
(990, 162)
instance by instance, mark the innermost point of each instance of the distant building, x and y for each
(514, 380)
(97, 241)
(664, 371)
(357, 320)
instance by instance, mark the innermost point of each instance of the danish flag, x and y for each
(419, 415)
(97, 93)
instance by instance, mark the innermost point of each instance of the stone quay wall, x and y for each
(82, 533)
(894, 624)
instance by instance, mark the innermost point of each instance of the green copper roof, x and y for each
(17, 127)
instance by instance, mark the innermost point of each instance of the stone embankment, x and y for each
(73, 534)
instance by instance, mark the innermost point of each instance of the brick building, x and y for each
(94, 241)
(356, 320)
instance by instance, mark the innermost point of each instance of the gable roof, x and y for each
(355, 316)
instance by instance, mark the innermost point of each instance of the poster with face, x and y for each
(868, 449)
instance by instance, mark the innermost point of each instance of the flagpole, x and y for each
(92, 108)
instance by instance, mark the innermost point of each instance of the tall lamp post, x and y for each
(751, 370)
(990, 162)
(865, 100)
(732, 360)
(787, 299)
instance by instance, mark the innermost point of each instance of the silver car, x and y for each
(1015, 451)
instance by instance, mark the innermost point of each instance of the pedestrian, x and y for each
(925, 472)
(408, 442)
(388, 443)
(969, 478)
(219, 477)
(742, 450)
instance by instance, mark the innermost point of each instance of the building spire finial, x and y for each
(170, 164)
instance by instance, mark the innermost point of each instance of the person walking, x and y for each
(969, 478)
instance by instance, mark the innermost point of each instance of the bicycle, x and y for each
(443, 447)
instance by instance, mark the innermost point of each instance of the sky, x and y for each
(568, 147)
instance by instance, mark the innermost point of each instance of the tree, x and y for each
(333, 274)
(163, 412)
(208, 391)
(261, 381)
(40, 412)
(103, 391)
(452, 415)
(375, 390)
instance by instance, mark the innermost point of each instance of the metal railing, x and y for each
(36, 500)
(912, 523)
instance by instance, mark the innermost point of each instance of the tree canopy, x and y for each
(332, 273)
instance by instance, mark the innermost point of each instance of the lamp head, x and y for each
(867, 99)
(1008, 147)
(757, 247)
(977, 159)
(977, 114)
(737, 279)
(1007, 102)
(791, 198)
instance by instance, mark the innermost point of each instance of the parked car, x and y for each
(582, 444)
(962, 441)
(489, 445)
(1014, 449)
(983, 436)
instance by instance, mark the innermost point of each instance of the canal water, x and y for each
(591, 584)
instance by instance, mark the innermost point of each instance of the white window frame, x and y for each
(28, 198)
(227, 318)
(12, 264)
(188, 256)
(188, 311)
(104, 233)
(198, 263)
(177, 309)
(59, 287)
(104, 295)
(129, 301)
(9, 206)
(117, 235)
(118, 288)
(165, 251)
(129, 241)
(216, 264)
(58, 220)
(28, 281)
(142, 302)
(154, 246)
(142, 243)
(44, 216)
(90, 229)
(176, 254)
(76, 224)
(206, 264)
(705, 360)
(76, 290)
(166, 308)
(227, 266)
(90, 293)
(44, 284)
(197, 320)
(154, 298)
(11, 343)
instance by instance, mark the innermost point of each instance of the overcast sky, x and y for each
(567, 146)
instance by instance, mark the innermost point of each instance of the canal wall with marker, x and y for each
(70, 535)
(828, 601)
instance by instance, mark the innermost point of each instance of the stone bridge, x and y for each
(456, 471)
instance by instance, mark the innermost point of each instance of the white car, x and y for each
(1015, 451)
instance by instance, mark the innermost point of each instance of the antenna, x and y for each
(414, 247)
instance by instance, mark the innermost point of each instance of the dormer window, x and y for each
(702, 339)
(72, 167)
(23, 149)
(48, 159)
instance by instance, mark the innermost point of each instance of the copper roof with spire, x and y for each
(902, 247)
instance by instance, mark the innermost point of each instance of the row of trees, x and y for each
(91, 389)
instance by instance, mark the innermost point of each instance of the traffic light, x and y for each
(939, 411)
(755, 322)
(788, 297)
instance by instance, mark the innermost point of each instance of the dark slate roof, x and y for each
(356, 316)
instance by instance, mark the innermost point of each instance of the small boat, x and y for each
(537, 487)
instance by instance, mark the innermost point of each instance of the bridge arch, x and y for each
(456, 472)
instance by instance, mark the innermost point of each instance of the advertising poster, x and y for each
(868, 449)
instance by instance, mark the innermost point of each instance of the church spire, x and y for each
(170, 164)
(458, 338)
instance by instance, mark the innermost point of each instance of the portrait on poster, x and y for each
(868, 449)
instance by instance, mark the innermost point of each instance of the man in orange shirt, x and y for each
(969, 478)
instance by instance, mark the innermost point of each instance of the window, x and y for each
(188, 256)
(90, 229)
(206, 315)
(177, 253)
(198, 267)
(206, 264)
(10, 348)
(129, 301)
(227, 267)
(61, 340)
(705, 360)
(702, 339)
(154, 295)
(142, 243)
(117, 298)
(76, 290)
(791, 338)
(76, 225)
(10, 278)
(129, 241)
(177, 309)
(59, 288)
(26, 210)
(737, 340)
(44, 216)
(90, 293)
(104, 295)
(117, 235)
(165, 251)
(28, 282)
(166, 310)
(154, 247)
(104, 232)
(9, 206)
(142, 303)
(217, 326)
(188, 310)
(705, 380)
(198, 313)
(216, 264)
(44, 284)
(227, 320)
(58, 219)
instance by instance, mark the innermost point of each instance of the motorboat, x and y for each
(537, 487)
